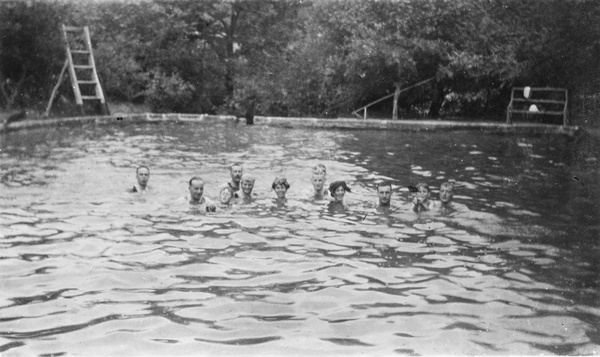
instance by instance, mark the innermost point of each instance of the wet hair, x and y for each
(319, 169)
(335, 184)
(384, 184)
(142, 167)
(447, 184)
(236, 164)
(247, 177)
(280, 181)
(422, 184)
(196, 178)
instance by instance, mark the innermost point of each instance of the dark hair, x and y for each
(280, 181)
(196, 178)
(422, 184)
(335, 184)
(142, 167)
(384, 184)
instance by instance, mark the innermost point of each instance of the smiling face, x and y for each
(236, 172)
(385, 195)
(422, 193)
(280, 190)
(196, 189)
(446, 193)
(338, 194)
(318, 181)
(247, 186)
(142, 175)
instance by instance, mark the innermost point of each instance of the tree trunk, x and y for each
(229, 48)
(436, 104)
(396, 96)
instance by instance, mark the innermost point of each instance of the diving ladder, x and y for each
(82, 69)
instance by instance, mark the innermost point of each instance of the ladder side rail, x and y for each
(72, 73)
(55, 90)
(98, 88)
(510, 107)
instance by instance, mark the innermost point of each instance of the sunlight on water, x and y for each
(88, 269)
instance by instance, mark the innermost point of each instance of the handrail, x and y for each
(388, 96)
(527, 91)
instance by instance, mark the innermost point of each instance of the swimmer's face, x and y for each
(196, 190)
(446, 193)
(385, 194)
(280, 191)
(236, 172)
(422, 194)
(143, 175)
(339, 193)
(225, 196)
(247, 187)
(318, 181)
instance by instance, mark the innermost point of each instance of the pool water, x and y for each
(88, 269)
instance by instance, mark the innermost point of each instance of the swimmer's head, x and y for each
(280, 186)
(319, 169)
(280, 181)
(446, 192)
(236, 170)
(338, 189)
(423, 191)
(196, 188)
(225, 195)
(247, 183)
(384, 192)
(142, 174)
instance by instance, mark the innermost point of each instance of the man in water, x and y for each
(196, 198)
(318, 181)
(236, 171)
(247, 185)
(384, 194)
(142, 174)
(446, 194)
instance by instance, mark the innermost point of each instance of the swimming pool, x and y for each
(87, 269)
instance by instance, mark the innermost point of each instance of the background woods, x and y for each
(308, 58)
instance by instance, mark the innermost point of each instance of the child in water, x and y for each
(421, 200)
(280, 186)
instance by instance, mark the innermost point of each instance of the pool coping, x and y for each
(287, 122)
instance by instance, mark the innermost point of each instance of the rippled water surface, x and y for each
(88, 269)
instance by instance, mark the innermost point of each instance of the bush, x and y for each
(169, 93)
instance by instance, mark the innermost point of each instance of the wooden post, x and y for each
(396, 96)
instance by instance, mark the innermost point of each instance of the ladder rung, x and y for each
(89, 97)
(86, 82)
(81, 51)
(73, 28)
(80, 66)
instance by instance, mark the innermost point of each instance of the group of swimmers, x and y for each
(239, 189)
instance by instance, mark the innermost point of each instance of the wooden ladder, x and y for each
(82, 69)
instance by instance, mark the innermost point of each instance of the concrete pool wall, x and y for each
(340, 123)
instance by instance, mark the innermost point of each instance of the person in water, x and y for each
(196, 198)
(235, 171)
(318, 182)
(445, 195)
(142, 174)
(280, 186)
(246, 186)
(337, 190)
(421, 200)
(384, 195)
(225, 196)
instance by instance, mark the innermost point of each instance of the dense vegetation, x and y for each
(307, 58)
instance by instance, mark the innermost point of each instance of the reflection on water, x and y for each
(86, 269)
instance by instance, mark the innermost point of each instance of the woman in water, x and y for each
(337, 189)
